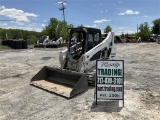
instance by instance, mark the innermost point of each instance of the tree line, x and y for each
(16, 34)
(56, 28)
(144, 30)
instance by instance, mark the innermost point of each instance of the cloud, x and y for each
(92, 26)
(61, 3)
(31, 25)
(2, 7)
(3, 24)
(121, 28)
(101, 21)
(129, 12)
(45, 21)
(124, 31)
(33, 29)
(18, 22)
(43, 25)
(34, 18)
(102, 12)
(18, 15)
(145, 16)
(119, 1)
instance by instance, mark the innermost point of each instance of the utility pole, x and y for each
(159, 27)
(62, 8)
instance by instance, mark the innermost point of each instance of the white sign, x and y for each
(110, 79)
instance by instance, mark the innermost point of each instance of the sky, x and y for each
(123, 16)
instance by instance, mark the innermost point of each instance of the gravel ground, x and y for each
(19, 100)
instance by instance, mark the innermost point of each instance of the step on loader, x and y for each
(77, 62)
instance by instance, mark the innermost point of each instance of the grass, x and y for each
(4, 47)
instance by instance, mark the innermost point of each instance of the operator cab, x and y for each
(82, 40)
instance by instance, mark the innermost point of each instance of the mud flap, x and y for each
(60, 81)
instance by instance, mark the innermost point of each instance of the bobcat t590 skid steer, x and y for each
(77, 62)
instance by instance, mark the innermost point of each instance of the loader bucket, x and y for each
(60, 81)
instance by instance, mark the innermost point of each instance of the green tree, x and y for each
(32, 39)
(107, 29)
(144, 31)
(65, 32)
(156, 26)
(126, 35)
(2, 33)
(56, 29)
(122, 36)
(80, 26)
(51, 29)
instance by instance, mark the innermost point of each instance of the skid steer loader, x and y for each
(77, 63)
(42, 42)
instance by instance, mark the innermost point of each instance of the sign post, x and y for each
(110, 80)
